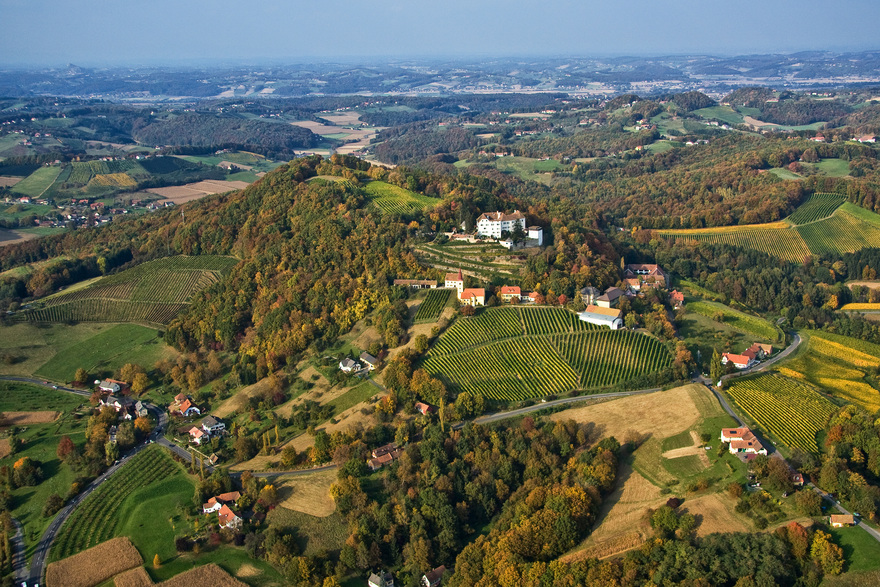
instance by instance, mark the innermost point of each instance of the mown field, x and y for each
(844, 367)
(738, 320)
(151, 293)
(849, 228)
(791, 411)
(396, 200)
(515, 353)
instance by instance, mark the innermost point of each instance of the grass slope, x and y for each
(736, 319)
(396, 200)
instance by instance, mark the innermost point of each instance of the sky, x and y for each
(177, 32)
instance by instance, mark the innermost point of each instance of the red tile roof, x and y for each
(510, 289)
(473, 292)
(501, 216)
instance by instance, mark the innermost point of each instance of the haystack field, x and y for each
(95, 565)
(134, 578)
(205, 575)
(309, 494)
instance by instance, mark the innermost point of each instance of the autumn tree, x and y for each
(65, 447)
(81, 376)
(139, 384)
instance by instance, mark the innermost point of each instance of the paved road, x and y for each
(842, 510)
(19, 561)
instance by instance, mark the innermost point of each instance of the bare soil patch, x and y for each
(309, 494)
(247, 570)
(870, 284)
(757, 123)
(134, 578)
(659, 414)
(5, 448)
(10, 237)
(7, 181)
(696, 449)
(94, 565)
(25, 418)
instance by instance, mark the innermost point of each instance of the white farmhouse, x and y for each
(609, 317)
(492, 224)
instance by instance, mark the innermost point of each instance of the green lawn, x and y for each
(683, 467)
(722, 113)
(17, 211)
(736, 319)
(248, 176)
(105, 352)
(37, 182)
(354, 396)
(151, 515)
(680, 440)
(833, 167)
(861, 550)
(783, 173)
(663, 146)
(229, 558)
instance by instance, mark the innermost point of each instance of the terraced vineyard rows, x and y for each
(608, 357)
(816, 207)
(507, 370)
(793, 412)
(489, 325)
(785, 243)
(543, 320)
(153, 293)
(95, 519)
(432, 307)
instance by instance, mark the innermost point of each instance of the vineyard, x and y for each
(841, 366)
(609, 357)
(791, 411)
(396, 200)
(96, 518)
(113, 180)
(816, 207)
(531, 352)
(153, 292)
(824, 225)
(431, 308)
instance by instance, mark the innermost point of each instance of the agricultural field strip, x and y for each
(468, 257)
(737, 320)
(604, 359)
(431, 308)
(94, 520)
(790, 410)
(470, 263)
(817, 207)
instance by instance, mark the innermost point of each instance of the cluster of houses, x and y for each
(206, 430)
(220, 504)
(749, 357)
(384, 455)
(365, 361)
(602, 308)
(111, 392)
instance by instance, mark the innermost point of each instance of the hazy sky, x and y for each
(92, 32)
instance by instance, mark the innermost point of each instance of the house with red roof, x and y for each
(639, 275)
(197, 435)
(743, 361)
(508, 292)
(228, 518)
(454, 281)
(215, 503)
(473, 296)
(742, 441)
(677, 298)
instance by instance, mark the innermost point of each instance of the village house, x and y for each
(609, 299)
(347, 365)
(384, 455)
(841, 520)
(215, 503)
(121, 404)
(227, 518)
(531, 297)
(474, 296)
(600, 316)
(867, 139)
(112, 386)
(739, 361)
(642, 275)
(676, 298)
(454, 281)
(187, 409)
(432, 578)
(423, 408)
(742, 441)
(381, 579)
(212, 426)
(140, 409)
(492, 224)
(197, 435)
(508, 292)
(369, 360)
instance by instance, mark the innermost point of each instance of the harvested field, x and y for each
(205, 575)
(675, 409)
(193, 191)
(94, 565)
(9, 181)
(5, 448)
(713, 515)
(10, 237)
(25, 418)
(309, 494)
(134, 578)
(240, 399)
(342, 118)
